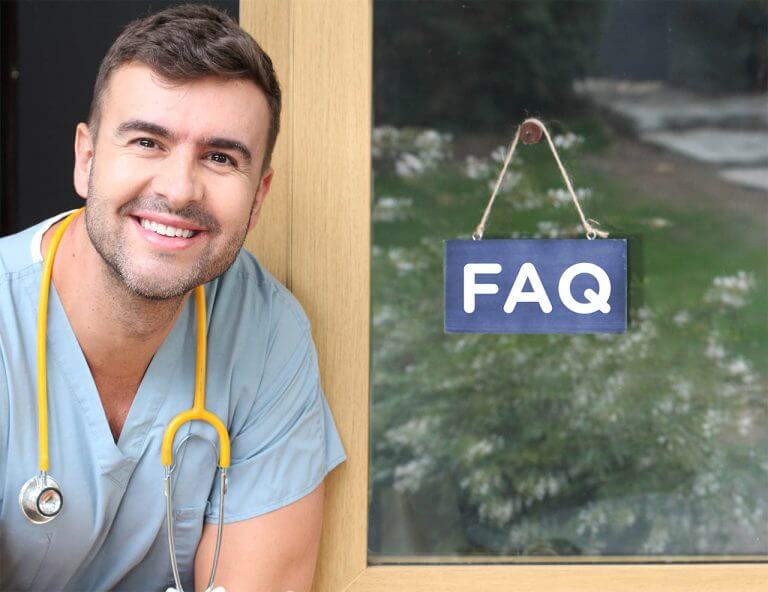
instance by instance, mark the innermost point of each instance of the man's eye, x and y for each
(220, 158)
(146, 143)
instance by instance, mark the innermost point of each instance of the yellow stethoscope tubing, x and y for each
(42, 332)
(197, 412)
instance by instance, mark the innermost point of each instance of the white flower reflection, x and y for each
(412, 152)
(731, 291)
(561, 197)
(567, 141)
(391, 209)
(476, 168)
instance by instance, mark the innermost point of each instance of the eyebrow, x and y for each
(138, 125)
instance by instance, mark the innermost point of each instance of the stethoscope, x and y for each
(41, 499)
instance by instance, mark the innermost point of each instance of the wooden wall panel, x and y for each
(268, 23)
(315, 236)
(331, 244)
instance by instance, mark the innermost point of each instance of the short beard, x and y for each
(111, 247)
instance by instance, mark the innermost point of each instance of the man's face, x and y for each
(172, 159)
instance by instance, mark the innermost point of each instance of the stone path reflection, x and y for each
(729, 132)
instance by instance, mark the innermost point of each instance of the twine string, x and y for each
(478, 233)
(587, 223)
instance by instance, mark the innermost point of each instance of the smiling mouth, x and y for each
(164, 230)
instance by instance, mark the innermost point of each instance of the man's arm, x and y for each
(274, 552)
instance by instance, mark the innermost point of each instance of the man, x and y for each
(174, 166)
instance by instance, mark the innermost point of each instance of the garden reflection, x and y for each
(649, 443)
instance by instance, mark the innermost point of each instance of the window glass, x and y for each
(646, 445)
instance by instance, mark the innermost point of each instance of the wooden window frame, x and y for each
(314, 236)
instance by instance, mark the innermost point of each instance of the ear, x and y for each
(261, 195)
(84, 151)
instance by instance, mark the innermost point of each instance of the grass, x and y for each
(677, 262)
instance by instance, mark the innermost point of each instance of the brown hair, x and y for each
(187, 42)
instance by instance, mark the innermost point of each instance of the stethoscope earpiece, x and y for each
(41, 499)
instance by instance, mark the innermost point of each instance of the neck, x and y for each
(110, 322)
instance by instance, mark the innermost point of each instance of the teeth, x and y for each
(166, 230)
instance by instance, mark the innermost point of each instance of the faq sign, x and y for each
(536, 286)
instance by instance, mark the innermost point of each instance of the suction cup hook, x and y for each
(530, 133)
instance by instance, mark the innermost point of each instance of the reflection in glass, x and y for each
(652, 443)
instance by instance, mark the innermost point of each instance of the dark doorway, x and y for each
(51, 53)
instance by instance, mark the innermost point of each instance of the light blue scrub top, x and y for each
(262, 381)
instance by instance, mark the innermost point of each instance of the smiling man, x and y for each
(174, 167)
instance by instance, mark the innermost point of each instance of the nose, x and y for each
(178, 179)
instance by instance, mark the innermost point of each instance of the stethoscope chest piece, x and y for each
(40, 498)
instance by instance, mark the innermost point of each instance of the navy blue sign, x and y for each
(536, 286)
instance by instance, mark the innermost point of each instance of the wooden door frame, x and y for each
(314, 235)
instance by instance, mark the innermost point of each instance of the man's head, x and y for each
(188, 42)
(183, 122)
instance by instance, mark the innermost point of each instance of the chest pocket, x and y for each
(195, 464)
(187, 528)
(193, 474)
(21, 566)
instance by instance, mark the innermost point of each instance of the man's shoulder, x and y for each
(249, 293)
(16, 251)
(21, 250)
(265, 332)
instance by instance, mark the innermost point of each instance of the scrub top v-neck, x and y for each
(262, 381)
(68, 358)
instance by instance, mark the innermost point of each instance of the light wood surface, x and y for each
(270, 240)
(331, 245)
(314, 236)
(565, 578)
(561, 559)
